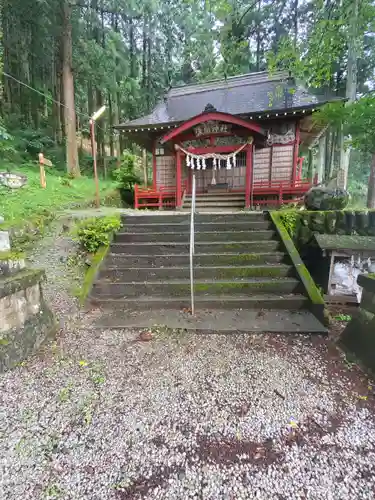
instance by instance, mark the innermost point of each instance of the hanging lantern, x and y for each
(198, 163)
(214, 163)
(204, 163)
(188, 160)
(228, 163)
(234, 160)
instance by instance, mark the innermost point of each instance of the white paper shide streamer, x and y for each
(199, 162)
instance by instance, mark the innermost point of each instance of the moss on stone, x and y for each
(345, 242)
(239, 285)
(12, 255)
(83, 291)
(20, 281)
(271, 271)
(309, 284)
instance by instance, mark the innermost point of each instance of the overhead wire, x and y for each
(46, 96)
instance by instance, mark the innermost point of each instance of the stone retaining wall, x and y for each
(302, 224)
(359, 335)
(25, 320)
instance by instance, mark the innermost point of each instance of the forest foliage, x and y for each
(63, 59)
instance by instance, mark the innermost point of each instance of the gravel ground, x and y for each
(168, 415)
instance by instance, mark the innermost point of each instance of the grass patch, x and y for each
(30, 202)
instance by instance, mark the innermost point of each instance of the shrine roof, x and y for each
(237, 95)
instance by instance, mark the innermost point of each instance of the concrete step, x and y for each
(264, 301)
(216, 200)
(201, 287)
(209, 272)
(213, 320)
(225, 236)
(199, 227)
(214, 203)
(208, 210)
(215, 194)
(177, 217)
(125, 260)
(200, 247)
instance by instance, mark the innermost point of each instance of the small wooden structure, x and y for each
(240, 135)
(354, 255)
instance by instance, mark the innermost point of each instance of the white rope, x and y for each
(200, 160)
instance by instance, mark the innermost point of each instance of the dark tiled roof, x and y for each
(244, 94)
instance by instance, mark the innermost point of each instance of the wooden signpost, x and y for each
(43, 161)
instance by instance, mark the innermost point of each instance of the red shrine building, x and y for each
(241, 138)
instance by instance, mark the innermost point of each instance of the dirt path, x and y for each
(104, 414)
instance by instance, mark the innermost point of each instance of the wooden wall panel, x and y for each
(282, 163)
(165, 171)
(261, 164)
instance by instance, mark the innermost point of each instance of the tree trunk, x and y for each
(132, 50)
(332, 155)
(72, 162)
(258, 40)
(56, 89)
(110, 112)
(321, 158)
(310, 165)
(295, 22)
(351, 90)
(149, 69)
(371, 185)
(144, 53)
(116, 98)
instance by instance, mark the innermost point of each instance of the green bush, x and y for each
(125, 175)
(290, 219)
(96, 232)
(7, 149)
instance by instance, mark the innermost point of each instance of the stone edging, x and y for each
(316, 299)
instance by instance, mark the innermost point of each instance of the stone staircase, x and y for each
(239, 263)
(211, 202)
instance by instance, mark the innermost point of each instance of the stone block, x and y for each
(11, 266)
(18, 343)
(359, 338)
(368, 301)
(4, 241)
(19, 307)
(359, 335)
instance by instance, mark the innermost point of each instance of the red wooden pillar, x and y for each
(136, 200)
(295, 156)
(248, 175)
(154, 173)
(178, 179)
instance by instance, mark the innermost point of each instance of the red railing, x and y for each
(162, 197)
(279, 192)
(264, 192)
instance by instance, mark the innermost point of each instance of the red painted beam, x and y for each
(213, 149)
(216, 116)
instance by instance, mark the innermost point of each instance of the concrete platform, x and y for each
(215, 321)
